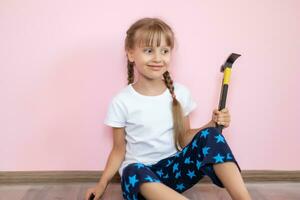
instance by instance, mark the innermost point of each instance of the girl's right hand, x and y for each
(98, 191)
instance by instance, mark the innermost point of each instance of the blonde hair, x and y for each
(148, 29)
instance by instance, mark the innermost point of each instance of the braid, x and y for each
(169, 83)
(130, 72)
(178, 117)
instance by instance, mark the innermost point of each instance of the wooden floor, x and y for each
(207, 191)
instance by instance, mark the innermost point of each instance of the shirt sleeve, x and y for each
(116, 115)
(189, 103)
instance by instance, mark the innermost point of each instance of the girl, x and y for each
(156, 153)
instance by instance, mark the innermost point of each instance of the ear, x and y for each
(130, 55)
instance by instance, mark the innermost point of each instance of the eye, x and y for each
(148, 50)
(165, 51)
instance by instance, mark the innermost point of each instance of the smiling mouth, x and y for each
(156, 67)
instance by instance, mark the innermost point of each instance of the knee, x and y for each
(214, 130)
(207, 132)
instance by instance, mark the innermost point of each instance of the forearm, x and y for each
(187, 138)
(113, 163)
(192, 132)
(211, 123)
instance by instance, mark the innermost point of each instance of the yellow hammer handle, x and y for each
(227, 73)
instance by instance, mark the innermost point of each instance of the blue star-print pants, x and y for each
(182, 170)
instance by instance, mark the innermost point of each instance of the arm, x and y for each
(221, 117)
(116, 156)
(190, 133)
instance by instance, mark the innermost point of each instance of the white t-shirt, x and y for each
(148, 123)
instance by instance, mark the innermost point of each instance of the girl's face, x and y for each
(151, 62)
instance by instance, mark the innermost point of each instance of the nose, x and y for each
(157, 57)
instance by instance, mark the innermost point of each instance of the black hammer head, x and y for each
(230, 60)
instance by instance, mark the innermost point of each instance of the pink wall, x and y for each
(62, 61)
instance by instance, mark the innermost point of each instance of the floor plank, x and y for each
(204, 191)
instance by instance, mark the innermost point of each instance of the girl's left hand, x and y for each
(221, 117)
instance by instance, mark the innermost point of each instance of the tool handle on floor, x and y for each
(92, 196)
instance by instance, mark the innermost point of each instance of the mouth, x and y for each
(156, 67)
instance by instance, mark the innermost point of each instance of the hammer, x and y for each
(226, 68)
